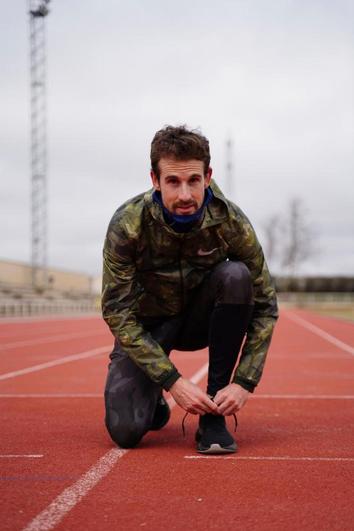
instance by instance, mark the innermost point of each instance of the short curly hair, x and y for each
(179, 143)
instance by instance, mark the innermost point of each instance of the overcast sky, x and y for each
(275, 76)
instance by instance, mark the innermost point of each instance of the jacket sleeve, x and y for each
(259, 333)
(120, 295)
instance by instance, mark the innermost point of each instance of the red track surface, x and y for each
(294, 469)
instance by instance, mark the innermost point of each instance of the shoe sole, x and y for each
(217, 449)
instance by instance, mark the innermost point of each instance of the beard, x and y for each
(192, 205)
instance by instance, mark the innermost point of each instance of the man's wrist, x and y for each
(171, 379)
(245, 384)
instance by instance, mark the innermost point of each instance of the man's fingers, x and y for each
(230, 399)
(228, 407)
(230, 410)
(203, 405)
(223, 408)
(219, 399)
(196, 411)
(212, 407)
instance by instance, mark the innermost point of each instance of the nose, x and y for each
(184, 193)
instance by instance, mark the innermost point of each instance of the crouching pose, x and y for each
(183, 269)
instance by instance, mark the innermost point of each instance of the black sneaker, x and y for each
(162, 414)
(213, 437)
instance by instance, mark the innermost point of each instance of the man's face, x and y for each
(182, 184)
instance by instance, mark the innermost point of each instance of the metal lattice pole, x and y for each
(37, 12)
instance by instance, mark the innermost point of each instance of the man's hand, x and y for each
(191, 398)
(231, 398)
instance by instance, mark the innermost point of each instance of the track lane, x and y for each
(301, 362)
(339, 328)
(154, 486)
(29, 356)
(60, 430)
(23, 329)
(152, 465)
(67, 336)
(320, 332)
(63, 337)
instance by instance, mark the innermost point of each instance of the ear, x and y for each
(207, 177)
(155, 181)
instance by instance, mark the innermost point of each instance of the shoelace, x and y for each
(187, 413)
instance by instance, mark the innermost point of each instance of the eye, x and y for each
(172, 180)
(194, 179)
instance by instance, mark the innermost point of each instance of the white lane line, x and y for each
(265, 458)
(318, 331)
(50, 339)
(58, 361)
(12, 456)
(52, 515)
(63, 503)
(199, 375)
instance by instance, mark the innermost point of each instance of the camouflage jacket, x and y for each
(149, 270)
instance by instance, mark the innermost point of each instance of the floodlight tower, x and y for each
(38, 11)
(229, 169)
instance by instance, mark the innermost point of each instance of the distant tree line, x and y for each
(289, 240)
(314, 284)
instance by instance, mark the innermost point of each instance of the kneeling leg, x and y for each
(130, 400)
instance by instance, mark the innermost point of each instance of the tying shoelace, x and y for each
(187, 413)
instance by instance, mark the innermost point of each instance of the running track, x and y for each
(59, 469)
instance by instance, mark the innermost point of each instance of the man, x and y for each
(183, 270)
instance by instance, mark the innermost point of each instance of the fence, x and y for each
(31, 308)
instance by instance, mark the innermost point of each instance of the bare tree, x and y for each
(271, 228)
(298, 237)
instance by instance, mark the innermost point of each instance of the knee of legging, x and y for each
(125, 436)
(234, 283)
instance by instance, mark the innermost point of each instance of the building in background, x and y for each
(66, 291)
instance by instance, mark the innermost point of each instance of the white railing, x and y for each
(305, 298)
(22, 309)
